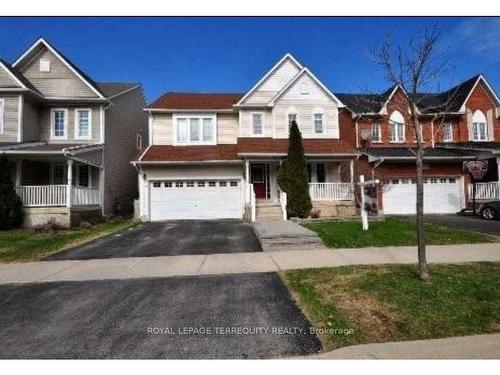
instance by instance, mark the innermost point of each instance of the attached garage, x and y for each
(441, 195)
(194, 199)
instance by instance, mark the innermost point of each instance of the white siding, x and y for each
(10, 119)
(246, 122)
(274, 83)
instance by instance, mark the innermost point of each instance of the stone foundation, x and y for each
(35, 216)
(335, 208)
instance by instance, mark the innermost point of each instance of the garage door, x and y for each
(200, 199)
(441, 195)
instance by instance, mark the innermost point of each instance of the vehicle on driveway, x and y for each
(490, 210)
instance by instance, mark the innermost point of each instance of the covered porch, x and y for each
(331, 186)
(55, 183)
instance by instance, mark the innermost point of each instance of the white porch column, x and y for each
(351, 165)
(247, 179)
(19, 171)
(101, 188)
(69, 183)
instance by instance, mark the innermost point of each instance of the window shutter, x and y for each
(491, 130)
(469, 125)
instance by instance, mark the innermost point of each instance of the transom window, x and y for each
(257, 124)
(319, 126)
(447, 132)
(376, 137)
(396, 122)
(83, 123)
(59, 121)
(195, 130)
(479, 126)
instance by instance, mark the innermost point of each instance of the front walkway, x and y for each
(467, 347)
(217, 264)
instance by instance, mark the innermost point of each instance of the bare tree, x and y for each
(413, 67)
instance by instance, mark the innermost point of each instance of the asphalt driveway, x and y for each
(471, 223)
(130, 318)
(192, 237)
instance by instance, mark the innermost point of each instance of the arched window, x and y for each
(479, 126)
(397, 124)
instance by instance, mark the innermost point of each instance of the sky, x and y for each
(220, 54)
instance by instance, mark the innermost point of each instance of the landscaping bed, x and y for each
(373, 304)
(390, 232)
(25, 245)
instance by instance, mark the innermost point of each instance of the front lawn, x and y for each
(389, 303)
(389, 232)
(25, 245)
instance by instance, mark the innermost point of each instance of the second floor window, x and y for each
(319, 127)
(479, 127)
(376, 137)
(397, 124)
(447, 132)
(59, 120)
(195, 130)
(257, 127)
(83, 120)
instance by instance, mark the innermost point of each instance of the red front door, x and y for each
(259, 179)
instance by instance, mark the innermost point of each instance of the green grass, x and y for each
(389, 303)
(24, 245)
(390, 232)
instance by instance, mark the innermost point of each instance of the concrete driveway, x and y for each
(200, 237)
(472, 223)
(125, 319)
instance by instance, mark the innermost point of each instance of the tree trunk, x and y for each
(421, 240)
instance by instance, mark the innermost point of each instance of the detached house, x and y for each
(217, 155)
(459, 124)
(69, 139)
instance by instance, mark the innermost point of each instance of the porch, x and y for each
(331, 187)
(55, 184)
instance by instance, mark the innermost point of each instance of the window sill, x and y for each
(397, 142)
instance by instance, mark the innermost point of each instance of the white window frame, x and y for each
(291, 111)
(319, 111)
(263, 125)
(447, 137)
(399, 138)
(77, 123)
(188, 117)
(52, 123)
(476, 126)
(379, 130)
(2, 115)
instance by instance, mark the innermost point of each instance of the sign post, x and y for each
(477, 169)
(364, 213)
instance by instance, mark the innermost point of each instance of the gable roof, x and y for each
(16, 75)
(314, 78)
(75, 69)
(195, 101)
(287, 56)
(367, 103)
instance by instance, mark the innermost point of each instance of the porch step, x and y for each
(268, 212)
(286, 235)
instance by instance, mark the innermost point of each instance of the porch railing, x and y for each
(43, 195)
(56, 195)
(335, 191)
(82, 196)
(486, 190)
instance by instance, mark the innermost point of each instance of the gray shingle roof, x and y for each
(113, 88)
(365, 103)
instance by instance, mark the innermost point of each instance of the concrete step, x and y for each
(292, 247)
(292, 240)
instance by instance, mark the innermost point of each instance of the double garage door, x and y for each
(195, 199)
(441, 195)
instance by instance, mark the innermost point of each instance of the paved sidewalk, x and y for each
(467, 347)
(216, 264)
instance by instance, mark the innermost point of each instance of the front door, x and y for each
(258, 178)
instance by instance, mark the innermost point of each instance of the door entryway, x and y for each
(259, 177)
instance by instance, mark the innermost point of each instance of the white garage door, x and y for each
(441, 195)
(200, 199)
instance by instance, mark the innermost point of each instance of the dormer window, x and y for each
(479, 127)
(44, 65)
